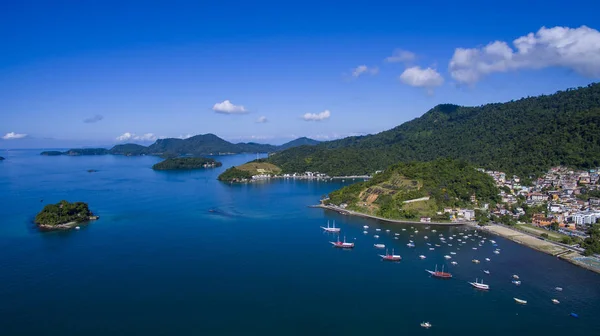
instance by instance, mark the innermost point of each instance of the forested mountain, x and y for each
(203, 144)
(304, 141)
(523, 137)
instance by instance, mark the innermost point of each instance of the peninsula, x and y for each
(249, 171)
(186, 164)
(443, 190)
(63, 215)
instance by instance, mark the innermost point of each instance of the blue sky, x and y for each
(83, 73)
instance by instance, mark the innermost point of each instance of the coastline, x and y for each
(558, 250)
(555, 249)
(359, 214)
(65, 226)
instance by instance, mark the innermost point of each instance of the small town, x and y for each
(563, 200)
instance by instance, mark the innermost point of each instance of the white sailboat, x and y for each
(330, 228)
(480, 285)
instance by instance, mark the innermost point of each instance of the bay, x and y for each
(180, 253)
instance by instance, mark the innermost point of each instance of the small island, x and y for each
(63, 215)
(248, 171)
(51, 153)
(186, 164)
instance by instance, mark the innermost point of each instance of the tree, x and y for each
(482, 217)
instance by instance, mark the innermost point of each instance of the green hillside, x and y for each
(446, 182)
(521, 137)
(186, 164)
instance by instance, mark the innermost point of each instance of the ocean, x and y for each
(180, 253)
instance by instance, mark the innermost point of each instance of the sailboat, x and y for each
(343, 244)
(441, 275)
(480, 285)
(330, 228)
(390, 257)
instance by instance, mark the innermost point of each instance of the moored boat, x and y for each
(440, 274)
(516, 282)
(426, 325)
(390, 257)
(516, 277)
(330, 228)
(486, 271)
(375, 236)
(480, 285)
(520, 301)
(343, 244)
(555, 301)
(422, 256)
(447, 257)
(558, 289)
(379, 246)
(475, 261)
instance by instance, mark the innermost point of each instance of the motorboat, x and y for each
(422, 256)
(516, 282)
(365, 232)
(475, 261)
(516, 277)
(375, 236)
(365, 227)
(426, 325)
(487, 259)
(480, 285)
(410, 245)
(454, 263)
(388, 231)
(377, 230)
(396, 234)
(453, 253)
(555, 301)
(486, 271)
(447, 257)
(381, 246)
(519, 301)
(431, 249)
(496, 252)
(558, 289)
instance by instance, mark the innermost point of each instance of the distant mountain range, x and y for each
(522, 137)
(204, 144)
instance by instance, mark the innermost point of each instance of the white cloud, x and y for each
(577, 49)
(317, 116)
(13, 136)
(226, 107)
(363, 70)
(425, 78)
(262, 120)
(183, 137)
(132, 136)
(400, 55)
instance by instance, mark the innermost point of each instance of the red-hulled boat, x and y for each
(343, 244)
(438, 274)
(390, 257)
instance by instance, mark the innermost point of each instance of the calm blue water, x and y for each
(159, 262)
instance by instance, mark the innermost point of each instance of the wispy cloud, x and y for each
(13, 136)
(262, 120)
(226, 107)
(401, 56)
(132, 136)
(364, 70)
(577, 49)
(93, 119)
(317, 116)
(183, 137)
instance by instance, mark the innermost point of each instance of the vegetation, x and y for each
(247, 170)
(445, 182)
(186, 164)
(51, 153)
(235, 175)
(587, 194)
(520, 137)
(63, 212)
(592, 243)
(204, 144)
